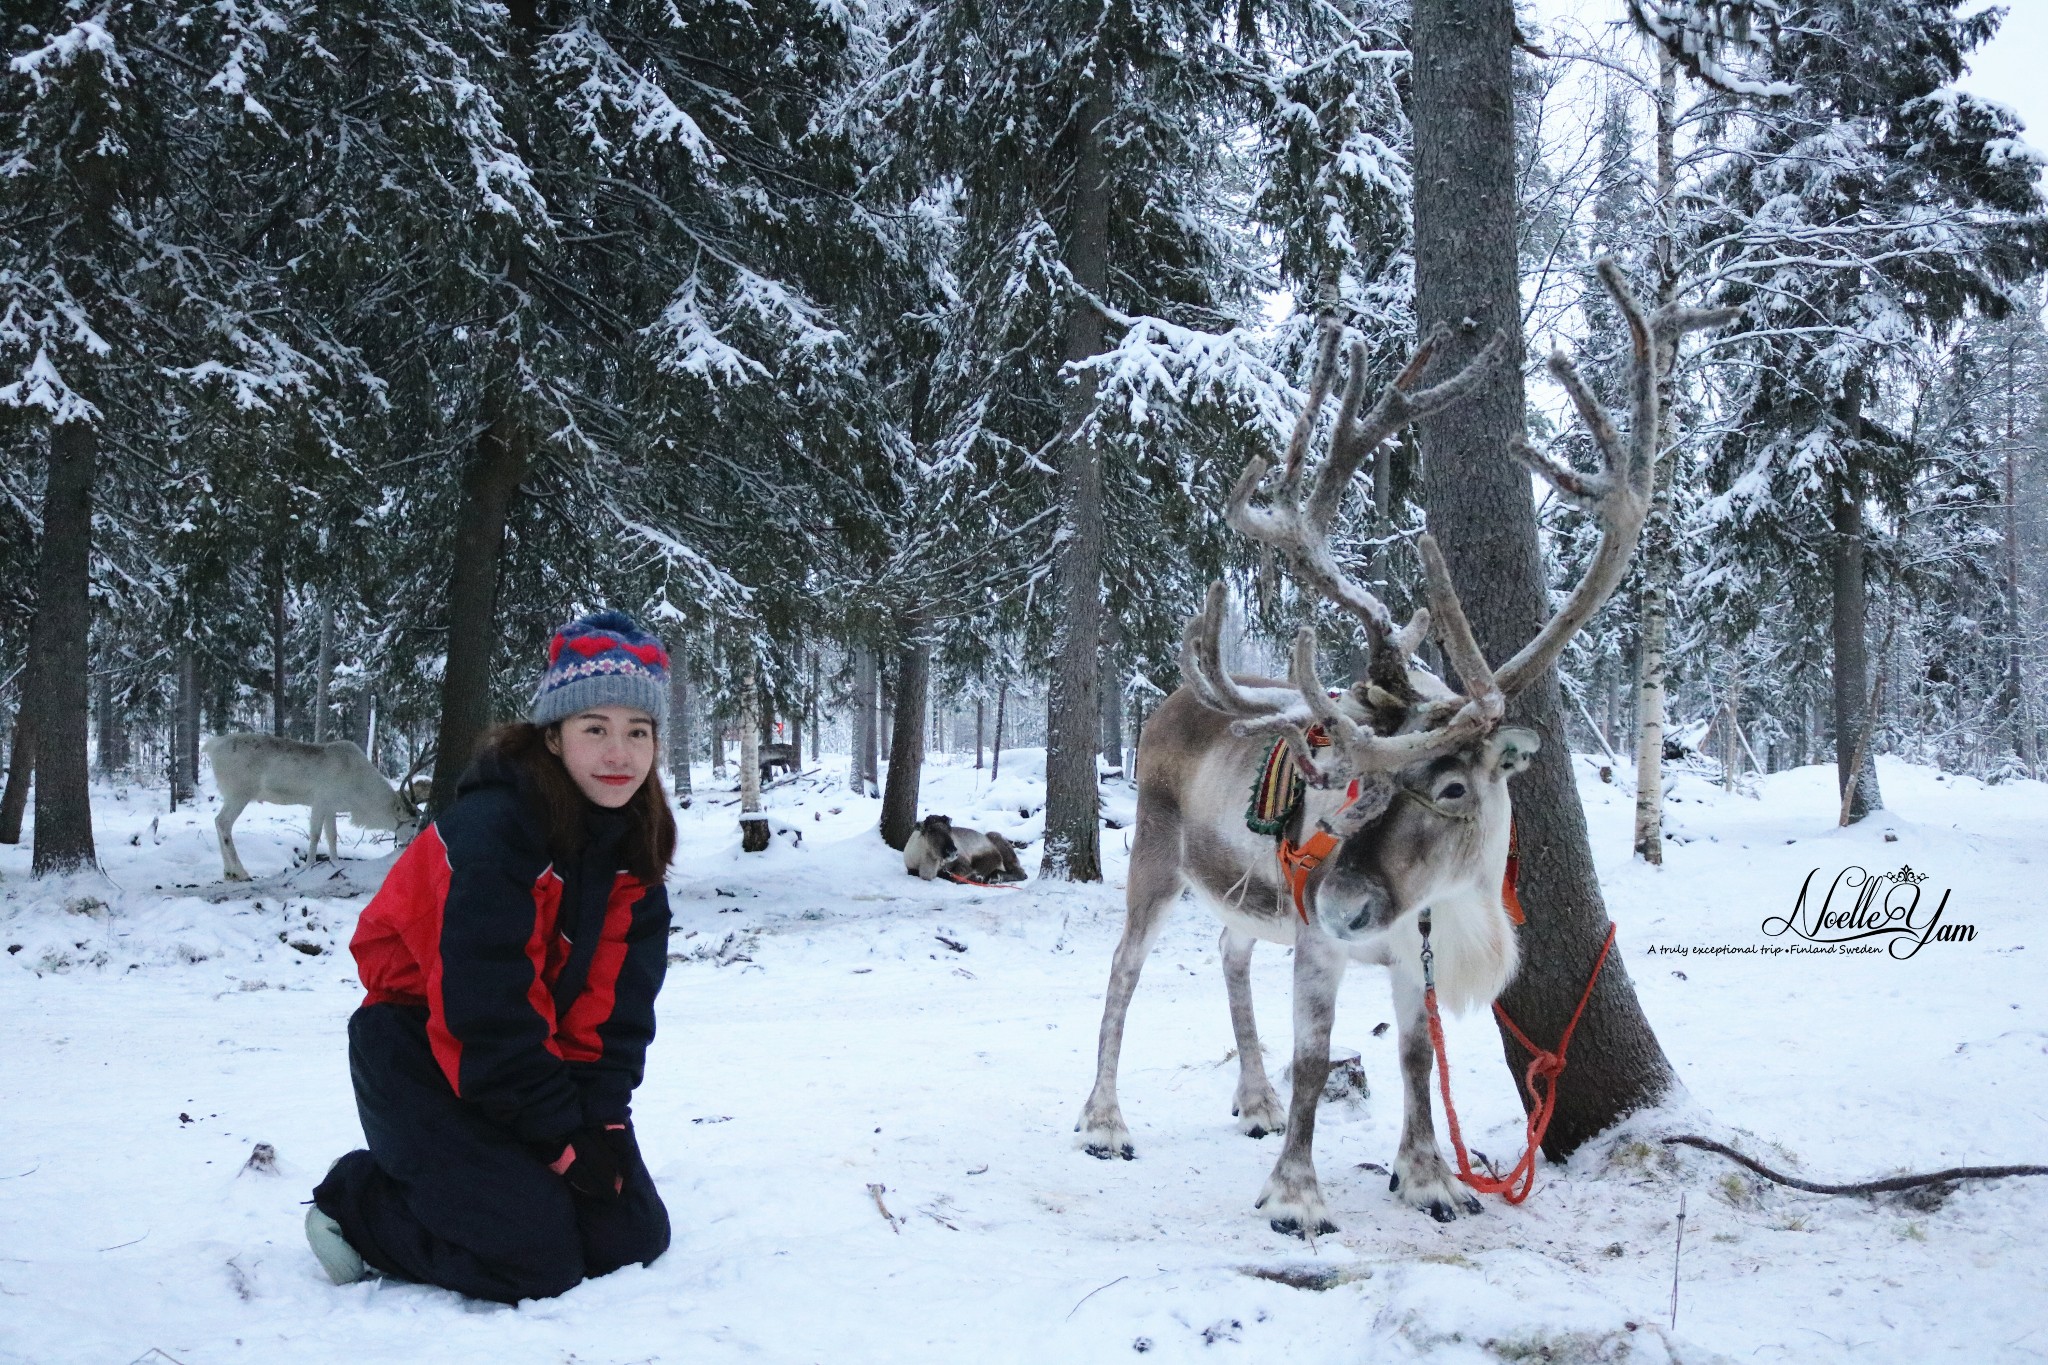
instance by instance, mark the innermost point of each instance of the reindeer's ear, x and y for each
(1513, 750)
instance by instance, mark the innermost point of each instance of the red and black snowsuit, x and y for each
(510, 1003)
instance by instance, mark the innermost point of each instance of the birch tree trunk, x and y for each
(753, 824)
(1659, 547)
(1072, 803)
(1481, 511)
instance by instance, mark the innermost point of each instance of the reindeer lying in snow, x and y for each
(938, 847)
(1403, 795)
(330, 778)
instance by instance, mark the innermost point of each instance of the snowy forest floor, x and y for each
(820, 1035)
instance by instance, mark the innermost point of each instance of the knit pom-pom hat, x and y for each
(603, 659)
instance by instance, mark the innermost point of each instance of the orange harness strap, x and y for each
(1297, 861)
(1544, 1067)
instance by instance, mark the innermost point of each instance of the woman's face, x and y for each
(608, 751)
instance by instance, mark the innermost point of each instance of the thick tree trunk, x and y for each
(1481, 511)
(63, 623)
(753, 824)
(906, 749)
(1852, 664)
(323, 675)
(488, 486)
(1072, 802)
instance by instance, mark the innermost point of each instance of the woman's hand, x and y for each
(591, 1161)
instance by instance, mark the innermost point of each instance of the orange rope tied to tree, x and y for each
(1544, 1067)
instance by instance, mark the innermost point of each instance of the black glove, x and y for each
(589, 1161)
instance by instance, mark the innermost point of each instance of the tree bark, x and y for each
(906, 749)
(63, 624)
(753, 824)
(980, 740)
(816, 710)
(1480, 509)
(1854, 763)
(1072, 802)
(488, 486)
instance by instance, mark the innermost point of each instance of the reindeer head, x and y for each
(938, 836)
(1406, 774)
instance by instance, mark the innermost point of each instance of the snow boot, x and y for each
(342, 1262)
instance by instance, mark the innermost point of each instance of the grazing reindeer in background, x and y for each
(1404, 794)
(330, 778)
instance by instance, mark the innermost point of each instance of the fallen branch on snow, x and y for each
(1897, 1182)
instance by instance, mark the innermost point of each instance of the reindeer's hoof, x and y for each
(1291, 1227)
(1105, 1138)
(1427, 1184)
(1259, 1115)
(1294, 1205)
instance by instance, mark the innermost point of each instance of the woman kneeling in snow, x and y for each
(512, 958)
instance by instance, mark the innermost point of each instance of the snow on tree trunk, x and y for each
(1480, 509)
(906, 748)
(753, 824)
(1855, 760)
(1072, 801)
(63, 622)
(488, 486)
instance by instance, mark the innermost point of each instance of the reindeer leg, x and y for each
(1292, 1199)
(1256, 1106)
(231, 868)
(320, 819)
(1154, 883)
(1421, 1177)
(333, 838)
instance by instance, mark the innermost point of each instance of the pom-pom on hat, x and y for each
(603, 659)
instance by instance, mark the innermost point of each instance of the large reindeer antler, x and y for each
(1298, 524)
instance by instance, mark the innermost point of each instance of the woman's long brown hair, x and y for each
(651, 836)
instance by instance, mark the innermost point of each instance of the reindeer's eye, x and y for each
(1452, 792)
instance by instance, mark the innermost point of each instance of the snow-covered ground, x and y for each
(820, 1035)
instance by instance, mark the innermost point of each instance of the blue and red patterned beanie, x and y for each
(603, 659)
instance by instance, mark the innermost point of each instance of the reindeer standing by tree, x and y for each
(1403, 804)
